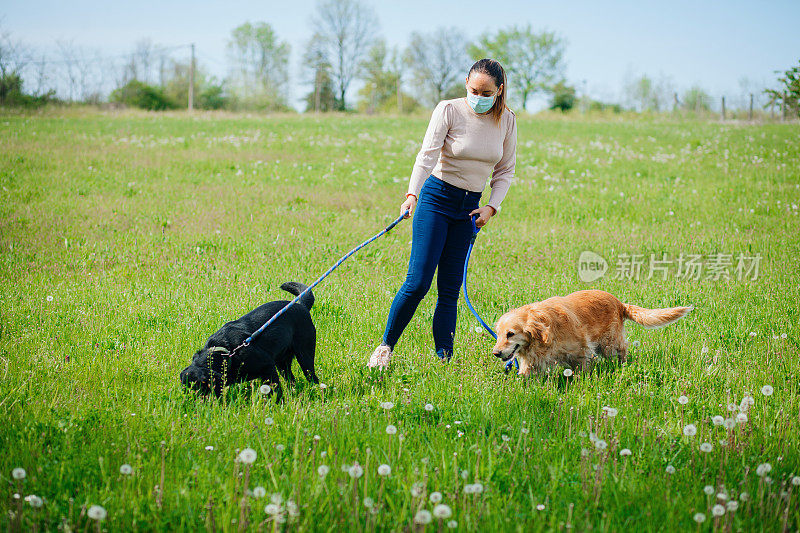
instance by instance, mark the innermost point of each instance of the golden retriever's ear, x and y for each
(536, 328)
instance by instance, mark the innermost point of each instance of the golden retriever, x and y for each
(569, 330)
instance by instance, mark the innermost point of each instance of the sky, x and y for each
(713, 44)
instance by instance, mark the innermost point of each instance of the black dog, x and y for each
(292, 335)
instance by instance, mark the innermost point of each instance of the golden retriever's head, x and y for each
(520, 330)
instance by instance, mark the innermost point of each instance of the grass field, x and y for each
(127, 239)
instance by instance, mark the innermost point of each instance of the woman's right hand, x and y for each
(408, 205)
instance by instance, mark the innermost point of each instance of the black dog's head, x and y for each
(212, 369)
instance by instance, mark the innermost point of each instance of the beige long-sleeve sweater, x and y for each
(464, 148)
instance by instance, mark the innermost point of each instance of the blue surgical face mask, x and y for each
(480, 104)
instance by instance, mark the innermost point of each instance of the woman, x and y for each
(467, 140)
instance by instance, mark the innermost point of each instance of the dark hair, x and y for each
(496, 71)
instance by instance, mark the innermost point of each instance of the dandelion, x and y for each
(683, 400)
(96, 512)
(209, 448)
(259, 492)
(464, 474)
(763, 469)
(356, 471)
(706, 447)
(540, 507)
(269, 421)
(505, 438)
(744, 496)
(670, 469)
(280, 447)
(709, 490)
(423, 517)
(568, 372)
(600, 444)
(126, 470)
(718, 510)
(387, 405)
(322, 470)
(704, 350)
(247, 456)
(783, 335)
(442, 511)
(34, 501)
(624, 452)
(717, 420)
(416, 490)
(49, 298)
(732, 505)
(368, 502)
(611, 412)
(748, 400)
(699, 518)
(18, 473)
(452, 524)
(636, 344)
(524, 431)
(722, 496)
(767, 390)
(729, 423)
(477, 488)
(429, 407)
(741, 418)
(435, 497)
(265, 389)
(690, 430)
(317, 438)
(276, 498)
(732, 407)
(391, 430)
(272, 509)
(323, 386)
(796, 481)
(292, 508)
(384, 470)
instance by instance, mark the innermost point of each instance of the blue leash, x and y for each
(475, 230)
(297, 298)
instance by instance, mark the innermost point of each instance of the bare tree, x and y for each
(437, 61)
(347, 29)
(14, 55)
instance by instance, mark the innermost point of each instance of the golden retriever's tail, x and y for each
(655, 318)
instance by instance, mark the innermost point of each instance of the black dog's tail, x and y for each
(295, 287)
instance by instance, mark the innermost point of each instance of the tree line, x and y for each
(344, 50)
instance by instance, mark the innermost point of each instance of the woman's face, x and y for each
(481, 84)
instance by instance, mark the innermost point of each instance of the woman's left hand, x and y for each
(484, 214)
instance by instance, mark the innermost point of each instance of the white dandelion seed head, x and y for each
(323, 386)
(704, 350)
(423, 517)
(322, 470)
(317, 438)
(429, 407)
(749, 400)
(247, 456)
(387, 405)
(636, 344)
(706, 447)
(259, 492)
(744, 496)
(699, 518)
(767, 390)
(524, 431)
(600, 444)
(280, 447)
(276, 498)
(729, 423)
(391, 430)
(435, 497)
(763, 469)
(356, 471)
(18, 473)
(670, 469)
(732, 407)
(442, 511)
(34, 501)
(269, 421)
(718, 510)
(97, 512)
(265, 389)
(384, 470)
(568, 372)
(741, 418)
(477, 488)
(540, 507)
(505, 438)
(209, 448)
(732, 505)
(796, 481)
(464, 474)
(452, 524)
(272, 509)
(584, 452)
(722, 496)
(126, 470)
(690, 430)
(709, 490)
(624, 452)
(683, 400)
(368, 502)
(416, 490)
(717, 420)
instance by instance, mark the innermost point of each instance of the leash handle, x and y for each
(475, 231)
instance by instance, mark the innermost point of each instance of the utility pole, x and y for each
(723, 108)
(191, 82)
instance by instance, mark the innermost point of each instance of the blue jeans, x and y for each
(441, 234)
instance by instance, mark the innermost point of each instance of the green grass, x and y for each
(127, 239)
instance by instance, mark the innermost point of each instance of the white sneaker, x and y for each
(380, 357)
